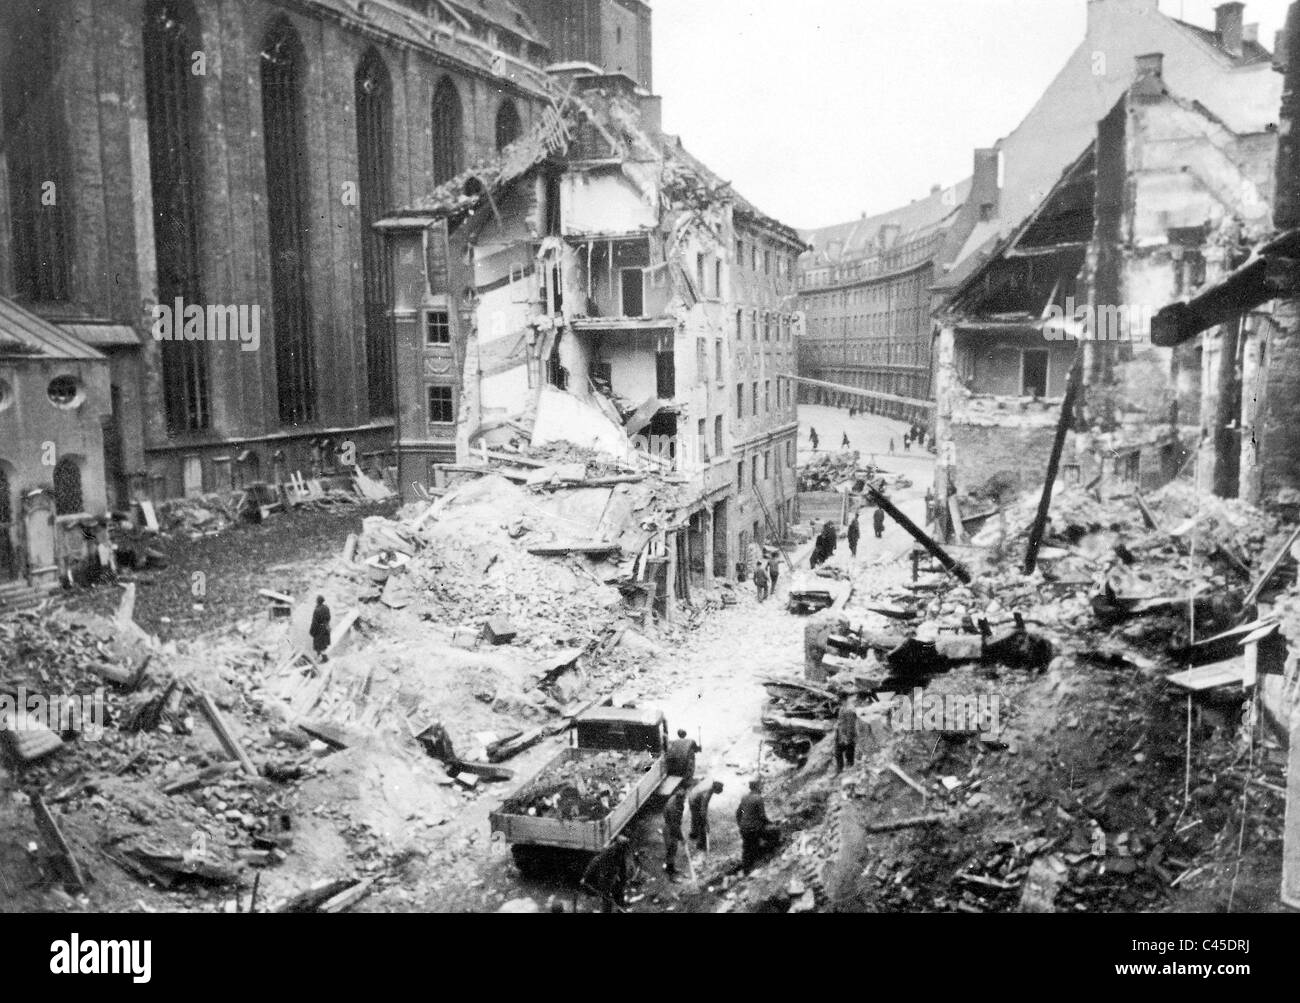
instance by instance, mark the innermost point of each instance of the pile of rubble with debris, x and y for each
(1093, 736)
(242, 772)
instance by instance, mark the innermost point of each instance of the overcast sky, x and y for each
(821, 110)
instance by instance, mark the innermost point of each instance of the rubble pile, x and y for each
(829, 471)
(584, 787)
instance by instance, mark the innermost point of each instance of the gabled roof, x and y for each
(25, 335)
(1251, 51)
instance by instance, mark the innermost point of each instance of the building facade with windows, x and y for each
(865, 292)
(216, 168)
(599, 286)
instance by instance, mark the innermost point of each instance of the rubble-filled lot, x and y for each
(1098, 785)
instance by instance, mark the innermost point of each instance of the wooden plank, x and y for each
(499, 752)
(906, 823)
(898, 772)
(278, 597)
(340, 631)
(150, 516)
(561, 549)
(1272, 568)
(199, 778)
(346, 899)
(49, 828)
(958, 524)
(224, 735)
(484, 770)
(1207, 677)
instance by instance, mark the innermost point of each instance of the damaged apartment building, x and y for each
(595, 286)
(1245, 324)
(1169, 181)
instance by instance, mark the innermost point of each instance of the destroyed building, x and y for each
(1244, 323)
(597, 287)
(217, 166)
(865, 292)
(1173, 178)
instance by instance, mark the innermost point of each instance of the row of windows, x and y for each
(775, 326)
(784, 397)
(766, 465)
(889, 292)
(749, 255)
(911, 320)
(877, 352)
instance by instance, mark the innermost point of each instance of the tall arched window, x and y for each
(36, 153)
(171, 36)
(375, 163)
(8, 552)
(448, 132)
(508, 126)
(289, 215)
(67, 487)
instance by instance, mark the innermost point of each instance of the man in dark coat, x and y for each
(680, 758)
(760, 579)
(846, 735)
(320, 628)
(812, 437)
(699, 802)
(878, 523)
(757, 834)
(829, 540)
(674, 814)
(855, 534)
(773, 573)
(607, 875)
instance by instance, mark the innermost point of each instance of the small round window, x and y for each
(64, 391)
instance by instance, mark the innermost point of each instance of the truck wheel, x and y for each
(530, 861)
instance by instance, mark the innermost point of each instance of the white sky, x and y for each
(821, 110)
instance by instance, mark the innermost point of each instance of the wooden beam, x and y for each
(956, 568)
(1063, 425)
(224, 735)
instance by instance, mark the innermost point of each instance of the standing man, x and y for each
(320, 629)
(846, 734)
(699, 802)
(756, 832)
(855, 534)
(680, 758)
(773, 573)
(607, 875)
(760, 580)
(844, 441)
(674, 813)
(828, 540)
(878, 523)
(891, 447)
(812, 435)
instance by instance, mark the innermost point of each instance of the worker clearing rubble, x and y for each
(607, 875)
(680, 759)
(699, 802)
(757, 835)
(674, 814)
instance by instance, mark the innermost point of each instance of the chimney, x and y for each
(1151, 65)
(1228, 24)
(1250, 33)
